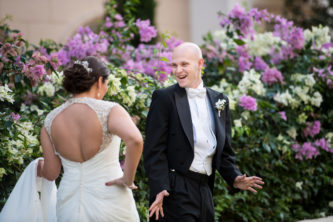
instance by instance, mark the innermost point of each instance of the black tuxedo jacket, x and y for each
(169, 139)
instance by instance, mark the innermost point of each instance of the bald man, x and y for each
(187, 139)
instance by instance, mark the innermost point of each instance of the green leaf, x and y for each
(164, 59)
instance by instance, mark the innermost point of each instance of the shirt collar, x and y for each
(200, 86)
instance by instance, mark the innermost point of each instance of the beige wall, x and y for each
(53, 19)
(173, 16)
(59, 19)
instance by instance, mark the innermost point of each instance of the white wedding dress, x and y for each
(82, 194)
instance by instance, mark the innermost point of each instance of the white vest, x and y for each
(203, 131)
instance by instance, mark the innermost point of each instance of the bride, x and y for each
(83, 136)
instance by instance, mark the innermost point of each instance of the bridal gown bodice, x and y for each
(82, 193)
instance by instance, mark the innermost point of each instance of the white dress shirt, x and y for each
(203, 130)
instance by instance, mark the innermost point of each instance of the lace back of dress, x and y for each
(101, 108)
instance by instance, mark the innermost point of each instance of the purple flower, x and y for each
(15, 117)
(322, 143)
(37, 71)
(120, 24)
(82, 44)
(307, 150)
(146, 31)
(296, 38)
(283, 115)
(248, 102)
(237, 11)
(259, 15)
(108, 23)
(259, 64)
(272, 76)
(244, 58)
(118, 17)
(312, 129)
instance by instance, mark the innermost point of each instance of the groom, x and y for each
(187, 139)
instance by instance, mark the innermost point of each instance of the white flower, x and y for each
(316, 99)
(225, 41)
(171, 80)
(251, 81)
(330, 204)
(307, 79)
(220, 105)
(57, 77)
(262, 43)
(46, 89)
(299, 185)
(318, 35)
(302, 118)
(223, 87)
(2, 172)
(284, 98)
(114, 85)
(5, 94)
(292, 132)
(132, 93)
(329, 137)
(232, 103)
(35, 108)
(302, 93)
(280, 137)
(245, 115)
(238, 122)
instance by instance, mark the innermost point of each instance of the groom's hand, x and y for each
(248, 183)
(157, 206)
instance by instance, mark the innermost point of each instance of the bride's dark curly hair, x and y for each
(79, 79)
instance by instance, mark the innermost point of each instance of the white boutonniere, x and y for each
(220, 105)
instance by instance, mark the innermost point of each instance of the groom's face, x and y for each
(186, 66)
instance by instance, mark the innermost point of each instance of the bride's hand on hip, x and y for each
(121, 181)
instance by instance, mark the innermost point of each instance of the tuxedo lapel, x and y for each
(213, 98)
(183, 109)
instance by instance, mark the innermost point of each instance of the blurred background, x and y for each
(188, 20)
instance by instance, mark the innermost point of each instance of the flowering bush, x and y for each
(279, 86)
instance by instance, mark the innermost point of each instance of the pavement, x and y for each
(324, 219)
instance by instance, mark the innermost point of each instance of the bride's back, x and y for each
(77, 133)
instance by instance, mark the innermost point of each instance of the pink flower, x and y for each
(309, 151)
(108, 23)
(322, 143)
(15, 117)
(248, 102)
(146, 31)
(259, 64)
(312, 129)
(37, 71)
(272, 76)
(306, 150)
(283, 115)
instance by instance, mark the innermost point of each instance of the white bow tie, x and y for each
(200, 93)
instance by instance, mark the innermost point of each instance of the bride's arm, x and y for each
(50, 167)
(121, 124)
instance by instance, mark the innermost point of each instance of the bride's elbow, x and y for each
(137, 142)
(50, 176)
(51, 173)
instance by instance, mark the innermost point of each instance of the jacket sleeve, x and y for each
(155, 146)
(227, 167)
